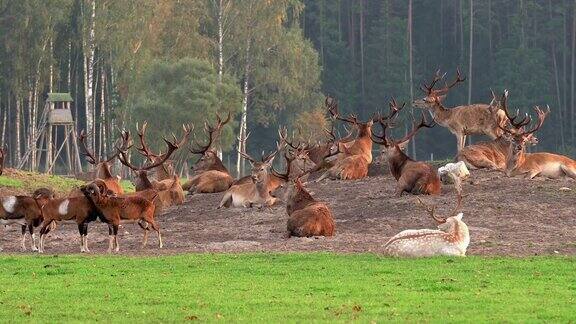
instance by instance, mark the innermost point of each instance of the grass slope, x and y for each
(286, 288)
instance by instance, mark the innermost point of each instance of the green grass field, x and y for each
(286, 288)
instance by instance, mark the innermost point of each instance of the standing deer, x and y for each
(210, 174)
(102, 167)
(492, 154)
(450, 239)
(356, 156)
(306, 216)
(535, 164)
(413, 176)
(461, 120)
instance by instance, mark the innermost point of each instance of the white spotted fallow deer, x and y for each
(450, 239)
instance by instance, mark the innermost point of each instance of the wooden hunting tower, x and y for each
(56, 119)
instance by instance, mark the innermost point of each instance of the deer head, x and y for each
(103, 166)
(363, 128)
(164, 170)
(436, 96)
(445, 223)
(389, 145)
(208, 155)
(260, 169)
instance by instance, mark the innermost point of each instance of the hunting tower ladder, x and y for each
(55, 119)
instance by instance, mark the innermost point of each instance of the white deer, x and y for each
(451, 238)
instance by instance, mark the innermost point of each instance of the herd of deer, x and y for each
(346, 158)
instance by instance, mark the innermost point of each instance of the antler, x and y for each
(285, 176)
(512, 119)
(458, 79)
(416, 128)
(172, 147)
(430, 88)
(213, 133)
(386, 122)
(541, 117)
(332, 106)
(89, 155)
(432, 209)
(125, 139)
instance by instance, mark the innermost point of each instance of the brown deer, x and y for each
(451, 238)
(306, 216)
(25, 211)
(355, 157)
(530, 165)
(492, 154)
(210, 174)
(415, 177)
(461, 120)
(162, 173)
(102, 167)
(257, 191)
(2, 155)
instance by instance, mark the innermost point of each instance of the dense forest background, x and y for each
(271, 62)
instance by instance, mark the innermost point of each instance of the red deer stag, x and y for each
(461, 120)
(493, 154)
(450, 239)
(254, 193)
(413, 176)
(210, 174)
(530, 165)
(162, 173)
(306, 216)
(103, 167)
(355, 157)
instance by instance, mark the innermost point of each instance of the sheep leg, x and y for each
(157, 229)
(85, 230)
(31, 231)
(44, 229)
(24, 238)
(81, 231)
(145, 240)
(115, 231)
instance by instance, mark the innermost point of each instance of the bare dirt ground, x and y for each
(506, 216)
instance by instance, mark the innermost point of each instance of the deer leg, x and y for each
(568, 171)
(226, 200)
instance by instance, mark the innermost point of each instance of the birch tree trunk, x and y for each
(362, 78)
(240, 163)
(572, 101)
(470, 54)
(410, 59)
(17, 124)
(220, 52)
(89, 77)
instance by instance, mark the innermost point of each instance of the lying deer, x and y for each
(102, 167)
(450, 239)
(255, 192)
(356, 156)
(162, 173)
(25, 211)
(128, 209)
(535, 164)
(462, 120)
(210, 174)
(413, 176)
(492, 154)
(306, 216)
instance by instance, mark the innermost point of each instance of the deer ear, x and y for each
(403, 145)
(440, 98)
(459, 216)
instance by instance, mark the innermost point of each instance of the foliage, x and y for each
(285, 288)
(27, 182)
(184, 91)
